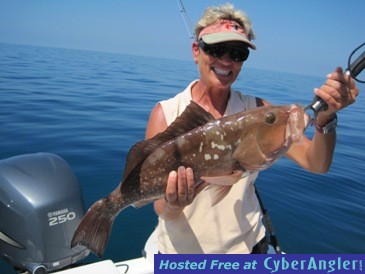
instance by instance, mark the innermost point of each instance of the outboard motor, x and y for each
(40, 207)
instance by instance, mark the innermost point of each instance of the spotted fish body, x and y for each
(220, 152)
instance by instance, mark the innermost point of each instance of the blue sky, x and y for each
(300, 36)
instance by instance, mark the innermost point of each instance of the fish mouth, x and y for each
(297, 123)
(307, 120)
(222, 72)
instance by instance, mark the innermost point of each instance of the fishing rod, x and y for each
(353, 69)
(186, 19)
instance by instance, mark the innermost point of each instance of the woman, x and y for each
(187, 222)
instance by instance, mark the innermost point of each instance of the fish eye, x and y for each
(270, 118)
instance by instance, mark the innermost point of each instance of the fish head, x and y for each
(281, 126)
(271, 132)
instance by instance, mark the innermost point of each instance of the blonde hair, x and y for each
(227, 11)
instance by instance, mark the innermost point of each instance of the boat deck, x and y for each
(134, 266)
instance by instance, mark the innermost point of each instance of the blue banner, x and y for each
(268, 263)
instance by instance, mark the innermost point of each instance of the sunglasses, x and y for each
(236, 53)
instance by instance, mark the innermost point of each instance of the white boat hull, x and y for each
(142, 265)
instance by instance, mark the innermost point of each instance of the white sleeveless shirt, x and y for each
(231, 226)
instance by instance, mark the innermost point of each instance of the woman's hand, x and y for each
(180, 188)
(339, 91)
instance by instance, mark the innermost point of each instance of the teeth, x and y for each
(221, 71)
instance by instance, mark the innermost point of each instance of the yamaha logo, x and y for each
(60, 216)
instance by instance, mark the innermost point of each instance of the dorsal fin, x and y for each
(192, 117)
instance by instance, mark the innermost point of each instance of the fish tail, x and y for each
(94, 230)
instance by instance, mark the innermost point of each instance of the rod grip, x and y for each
(354, 70)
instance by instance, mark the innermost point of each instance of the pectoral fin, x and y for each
(221, 185)
(224, 180)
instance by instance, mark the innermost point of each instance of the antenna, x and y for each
(186, 19)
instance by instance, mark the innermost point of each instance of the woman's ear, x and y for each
(195, 51)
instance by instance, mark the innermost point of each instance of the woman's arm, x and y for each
(339, 91)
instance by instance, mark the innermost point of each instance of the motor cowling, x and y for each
(41, 205)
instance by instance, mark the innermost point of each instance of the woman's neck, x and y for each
(212, 100)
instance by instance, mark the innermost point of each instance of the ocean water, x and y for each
(91, 107)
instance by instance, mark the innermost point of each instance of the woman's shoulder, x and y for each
(174, 106)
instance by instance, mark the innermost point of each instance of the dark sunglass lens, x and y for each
(216, 50)
(239, 54)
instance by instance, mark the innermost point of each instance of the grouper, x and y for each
(220, 152)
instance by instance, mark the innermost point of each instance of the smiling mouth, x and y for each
(222, 71)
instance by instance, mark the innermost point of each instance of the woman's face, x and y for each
(217, 72)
